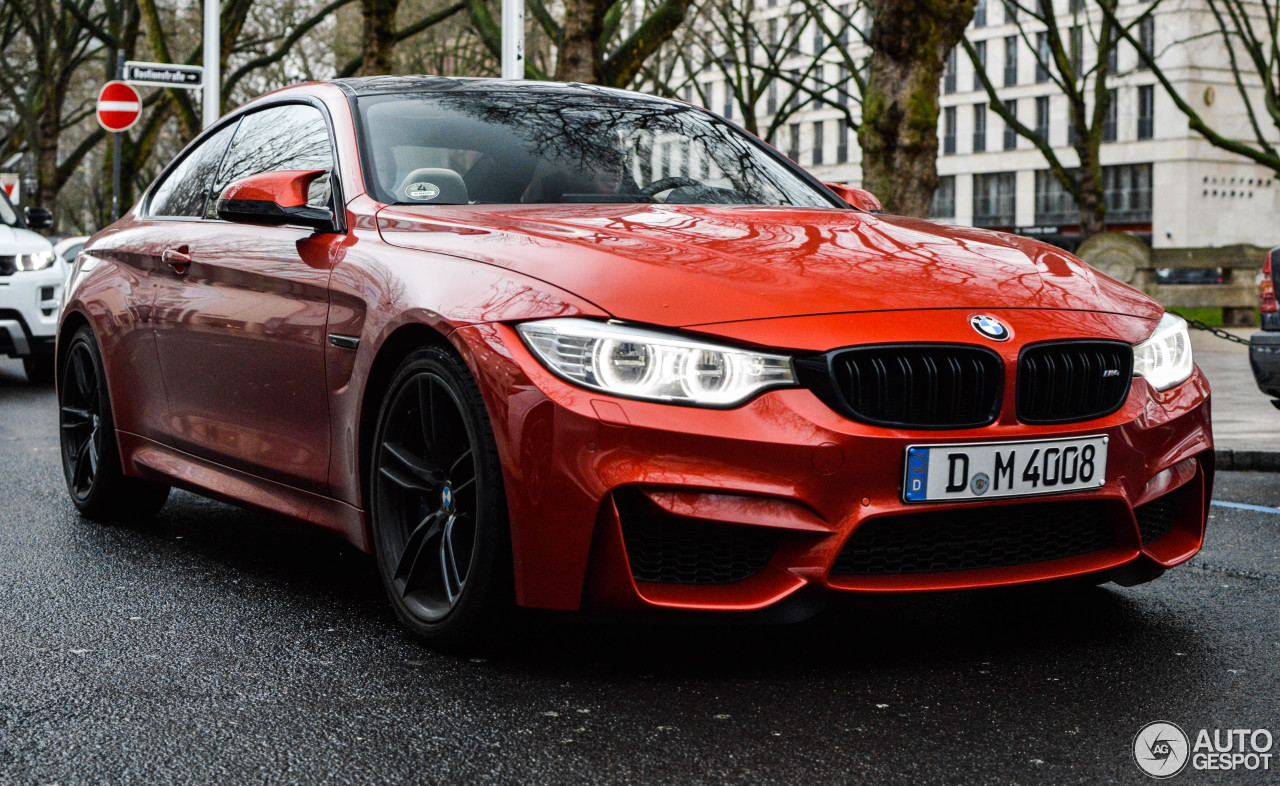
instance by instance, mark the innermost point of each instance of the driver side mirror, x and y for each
(275, 199)
(858, 197)
(38, 217)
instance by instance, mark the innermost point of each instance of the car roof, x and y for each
(389, 85)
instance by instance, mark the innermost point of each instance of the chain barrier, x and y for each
(1219, 332)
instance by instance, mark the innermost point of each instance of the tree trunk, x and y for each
(379, 36)
(47, 182)
(909, 40)
(578, 57)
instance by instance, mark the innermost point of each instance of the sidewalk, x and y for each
(1246, 428)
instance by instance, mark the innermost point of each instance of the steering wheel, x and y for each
(666, 184)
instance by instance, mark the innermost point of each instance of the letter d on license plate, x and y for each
(982, 470)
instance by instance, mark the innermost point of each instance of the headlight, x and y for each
(1165, 358)
(37, 261)
(647, 364)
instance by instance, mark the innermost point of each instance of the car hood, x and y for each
(22, 241)
(685, 265)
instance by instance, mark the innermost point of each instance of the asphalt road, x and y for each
(218, 646)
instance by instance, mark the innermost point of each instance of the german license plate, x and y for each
(985, 470)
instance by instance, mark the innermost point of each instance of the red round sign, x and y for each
(119, 106)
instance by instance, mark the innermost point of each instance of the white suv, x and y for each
(31, 276)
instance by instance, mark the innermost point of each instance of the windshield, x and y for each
(8, 215)
(538, 147)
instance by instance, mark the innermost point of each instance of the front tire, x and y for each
(90, 454)
(437, 504)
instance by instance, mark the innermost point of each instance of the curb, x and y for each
(1243, 460)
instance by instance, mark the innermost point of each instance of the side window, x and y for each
(293, 136)
(184, 191)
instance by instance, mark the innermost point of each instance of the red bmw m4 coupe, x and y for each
(565, 347)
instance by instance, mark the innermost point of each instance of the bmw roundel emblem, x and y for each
(990, 327)
(446, 497)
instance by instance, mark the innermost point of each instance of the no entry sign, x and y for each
(119, 106)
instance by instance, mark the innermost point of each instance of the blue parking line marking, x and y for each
(1243, 506)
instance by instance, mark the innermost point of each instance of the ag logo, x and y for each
(990, 327)
(422, 191)
(1161, 749)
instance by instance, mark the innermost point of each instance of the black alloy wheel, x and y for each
(438, 509)
(90, 454)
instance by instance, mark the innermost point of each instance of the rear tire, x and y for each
(437, 504)
(39, 369)
(90, 453)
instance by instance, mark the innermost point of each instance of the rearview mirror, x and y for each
(38, 217)
(274, 199)
(858, 197)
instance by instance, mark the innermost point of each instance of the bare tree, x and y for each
(1250, 32)
(910, 41)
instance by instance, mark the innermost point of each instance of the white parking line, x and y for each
(1243, 506)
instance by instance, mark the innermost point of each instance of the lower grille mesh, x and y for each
(975, 539)
(670, 550)
(1155, 518)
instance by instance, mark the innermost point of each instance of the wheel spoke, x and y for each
(404, 481)
(93, 453)
(454, 468)
(421, 468)
(81, 463)
(453, 581)
(76, 418)
(413, 559)
(81, 375)
(427, 405)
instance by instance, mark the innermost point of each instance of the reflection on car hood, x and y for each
(682, 265)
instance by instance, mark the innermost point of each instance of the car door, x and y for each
(240, 317)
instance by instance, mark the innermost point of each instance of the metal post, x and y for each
(513, 39)
(212, 54)
(115, 151)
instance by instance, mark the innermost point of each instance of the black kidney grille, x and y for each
(669, 549)
(1155, 518)
(975, 539)
(931, 386)
(1065, 382)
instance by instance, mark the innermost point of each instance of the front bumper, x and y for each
(1264, 358)
(29, 303)
(590, 479)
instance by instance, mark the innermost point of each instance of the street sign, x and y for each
(164, 74)
(11, 182)
(119, 106)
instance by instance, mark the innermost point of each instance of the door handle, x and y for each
(177, 258)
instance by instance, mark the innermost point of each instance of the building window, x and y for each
(771, 103)
(1054, 205)
(1010, 60)
(797, 88)
(818, 142)
(1146, 39)
(1077, 49)
(949, 131)
(1128, 193)
(1043, 58)
(771, 34)
(1072, 134)
(944, 198)
(1010, 11)
(818, 40)
(1075, 6)
(1126, 189)
(793, 150)
(980, 14)
(1109, 119)
(819, 85)
(842, 91)
(1146, 111)
(688, 94)
(994, 199)
(1113, 57)
(949, 73)
(842, 141)
(1010, 135)
(980, 127)
(795, 30)
(1042, 117)
(980, 51)
(728, 100)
